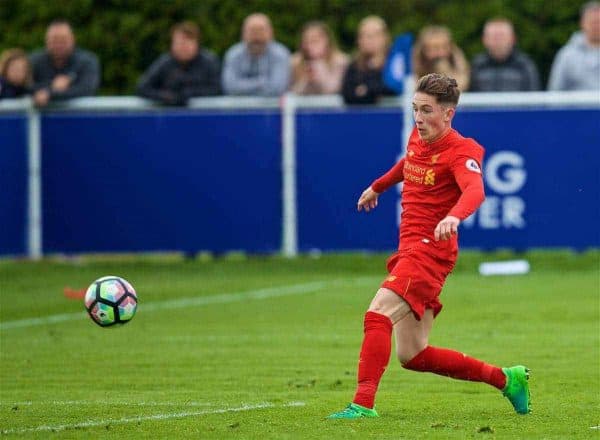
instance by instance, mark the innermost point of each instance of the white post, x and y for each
(408, 123)
(34, 218)
(407, 126)
(289, 241)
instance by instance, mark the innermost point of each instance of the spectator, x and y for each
(577, 65)
(503, 67)
(62, 70)
(318, 67)
(435, 52)
(258, 65)
(363, 80)
(15, 74)
(186, 71)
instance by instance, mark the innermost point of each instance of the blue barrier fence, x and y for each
(13, 185)
(198, 180)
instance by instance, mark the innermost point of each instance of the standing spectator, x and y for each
(15, 74)
(318, 67)
(363, 80)
(258, 65)
(186, 71)
(62, 70)
(577, 65)
(435, 52)
(503, 67)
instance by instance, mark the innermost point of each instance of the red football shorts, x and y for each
(418, 274)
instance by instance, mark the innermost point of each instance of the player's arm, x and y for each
(467, 173)
(368, 199)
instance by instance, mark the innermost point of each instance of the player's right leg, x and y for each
(385, 309)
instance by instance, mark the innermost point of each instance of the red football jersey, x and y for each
(440, 178)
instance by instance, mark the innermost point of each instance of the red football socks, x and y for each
(374, 357)
(456, 365)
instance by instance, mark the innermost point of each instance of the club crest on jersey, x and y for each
(472, 165)
(435, 158)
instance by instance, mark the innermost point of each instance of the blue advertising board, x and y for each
(542, 178)
(13, 184)
(162, 181)
(196, 180)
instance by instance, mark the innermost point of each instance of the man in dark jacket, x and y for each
(62, 70)
(186, 71)
(503, 67)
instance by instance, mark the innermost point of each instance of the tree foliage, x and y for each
(128, 35)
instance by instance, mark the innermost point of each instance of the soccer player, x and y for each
(442, 186)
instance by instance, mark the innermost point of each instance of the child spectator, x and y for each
(15, 74)
(186, 71)
(435, 52)
(318, 67)
(363, 80)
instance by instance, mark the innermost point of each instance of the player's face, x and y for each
(432, 119)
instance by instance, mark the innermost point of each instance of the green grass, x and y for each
(213, 364)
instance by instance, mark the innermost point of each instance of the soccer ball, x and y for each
(110, 300)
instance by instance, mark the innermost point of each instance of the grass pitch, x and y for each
(263, 348)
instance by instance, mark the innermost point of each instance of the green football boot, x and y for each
(517, 388)
(354, 411)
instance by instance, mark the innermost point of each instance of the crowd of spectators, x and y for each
(259, 65)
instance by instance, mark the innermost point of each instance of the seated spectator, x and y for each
(15, 74)
(363, 80)
(186, 71)
(258, 65)
(435, 52)
(503, 67)
(318, 67)
(62, 70)
(577, 65)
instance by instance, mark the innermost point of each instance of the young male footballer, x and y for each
(443, 185)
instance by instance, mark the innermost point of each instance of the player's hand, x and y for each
(367, 200)
(446, 228)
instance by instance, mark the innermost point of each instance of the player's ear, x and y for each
(449, 113)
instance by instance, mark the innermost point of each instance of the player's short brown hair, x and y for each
(444, 88)
(187, 28)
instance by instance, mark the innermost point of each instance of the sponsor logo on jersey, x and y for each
(430, 177)
(390, 279)
(472, 165)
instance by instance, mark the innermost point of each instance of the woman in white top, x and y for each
(318, 66)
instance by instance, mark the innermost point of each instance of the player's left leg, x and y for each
(415, 354)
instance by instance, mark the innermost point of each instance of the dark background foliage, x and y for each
(128, 35)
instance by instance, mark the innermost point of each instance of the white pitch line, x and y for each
(101, 402)
(223, 298)
(167, 416)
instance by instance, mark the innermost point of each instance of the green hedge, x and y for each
(129, 34)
